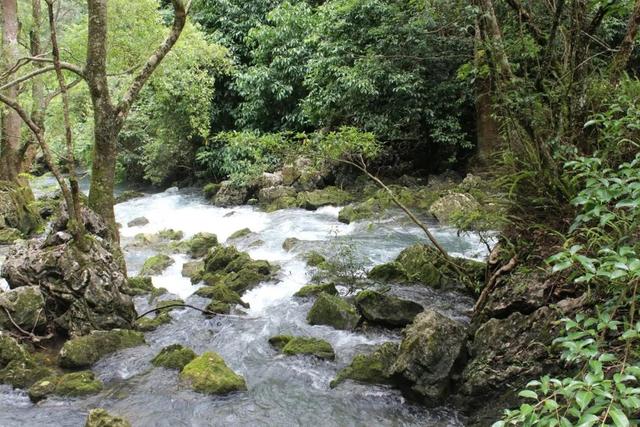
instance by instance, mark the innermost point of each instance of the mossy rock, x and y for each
(290, 243)
(221, 293)
(358, 212)
(331, 310)
(240, 234)
(82, 352)
(75, 384)
(209, 374)
(25, 305)
(446, 208)
(219, 258)
(210, 190)
(156, 293)
(386, 310)
(10, 350)
(156, 264)
(139, 285)
(218, 307)
(9, 235)
(200, 244)
(194, 270)
(314, 259)
(171, 234)
(125, 196)
(313, 290)
(292, 346)
(22, 373)
(174, 356)
(312, 200)
(373, 368)
(148, 324)
(101, 418)
(169, 305)
(285, 202)
(17, 210)
(389, 272)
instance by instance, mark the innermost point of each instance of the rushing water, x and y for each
(282, 391)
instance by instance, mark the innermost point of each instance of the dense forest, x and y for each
(338, 212)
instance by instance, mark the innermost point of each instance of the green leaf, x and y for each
(618, 417)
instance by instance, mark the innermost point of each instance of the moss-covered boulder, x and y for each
(226, 265)
(9, 235)
(389, 272)
(314, 290)
(139, 285)
(331, 310)
(174, 356)
(193, 270)
(148, 324)
(125, 196)
(292, 346)
(314, 259)
(231, 194)
(209, 374)
(210, 190)
(353, 213)
(22, 373)
(167, 306)
(156, 264)
(290, 243)
(10, 350)
(273, 196)
(218, 307)
(386, 310)
(82, 352)
(221, 293)
(219, 258)
(429, 350)
(171, 234)
(312, 200)
(200, 243)
(446, 208)
(75, 384)
(24, 306)
(101, 418)
(16, 209)
(372, 368)
(240, 234)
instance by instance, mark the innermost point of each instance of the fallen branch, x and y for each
(491, 284)
(207, 312)
(26, 334)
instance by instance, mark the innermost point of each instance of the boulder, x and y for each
(75, 384)
(267, 180)
(125, 196)
(448, 207)
(209, 374)
(226, 265)
(386, 310)
(221, 293)
(83, 287)
(231, 194)
(312, 200)
(170, 234)
(193, 270)
(271, 195)
(174, 356)
(333, 311)
(16, 208)
(427, 355)
(9, 236)
(389, 272)
(84, 351)
(156, 264)
(314, 259)
(372, 368)
(139, 285)
(218, 307)
(138, 222)
(101, 418)
(17, 367)
(240, 234)
(210, 190)
(292, 346)
(23, 306)
(200, 243)
(314, 290)
(10, 350)
(290, 243)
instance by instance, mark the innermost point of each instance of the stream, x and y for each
(282, 391)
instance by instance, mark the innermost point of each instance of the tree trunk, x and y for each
(494, 37)
(621, 59)
(30, 149)
(10, 156)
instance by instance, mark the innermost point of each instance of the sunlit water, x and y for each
(282, 391)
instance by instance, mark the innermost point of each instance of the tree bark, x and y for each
(621, 59)
(10, 158)
(494, 37)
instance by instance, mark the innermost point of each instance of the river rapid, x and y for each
(282, 391)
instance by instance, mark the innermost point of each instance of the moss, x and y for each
(279, 341)
(333, 311)
(100, 418)
(389, 272)
(240, 234)
(75, 384)
(171, 234)
(221, 293)
(219, 258)
(200, 243)
(313, 200)
(26, 307)
(357, 212)
(290, 243)
(386, 310)
(174, 357)
(285, 202)
(313, 290)
(370, 369)
(218, 307)
(423, 264)
(22, 373)
(166, 306)
(125, 196)
(314, 259)
(9, 235)
(210, 190)
(156, 293)
(156, 265)
(10, 350)
(148, 324)
(309, 346)
(82, 352)
(193, 270)
(139, 285)
(209, 374)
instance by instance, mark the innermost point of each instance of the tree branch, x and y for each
(526, 17)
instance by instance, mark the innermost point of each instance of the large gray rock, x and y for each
(231, 194)
(427, 355)
(83, 288)
(23, 306)
(386, 310)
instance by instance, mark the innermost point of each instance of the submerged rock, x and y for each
(148, 324)
(290, 243)
(101, 418)
(240, 234)
(174, 356)
(333, 311)
(313, 290)
(292, 346)
(372, 368)
(209, 374)
(82, 352)
(200, 244)
(386, 310)
(156, 264)
(138, 222)
(24, 306)
(429, 350)
(75, 384)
